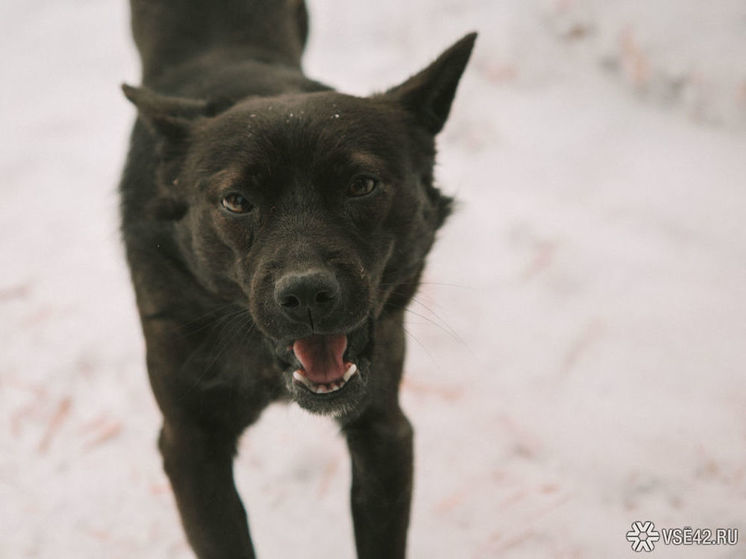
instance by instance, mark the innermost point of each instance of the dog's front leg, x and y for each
(206, 404)
(380, 444)
(199, 464)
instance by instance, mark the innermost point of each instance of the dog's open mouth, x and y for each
(328, 373)
(323, 368)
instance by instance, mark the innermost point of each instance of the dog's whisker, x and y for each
(219, 322)
(248, 326)
(224, 340)
(445, 329)
(442, 284)
(421, 283)
(439, 318)
(202, 321)
(419, 343)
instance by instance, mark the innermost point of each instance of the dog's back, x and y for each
(172, 33)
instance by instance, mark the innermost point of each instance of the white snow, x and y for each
(577, 351)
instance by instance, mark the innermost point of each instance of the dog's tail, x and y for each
(170, 32)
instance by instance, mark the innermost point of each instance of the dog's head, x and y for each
(315, 210)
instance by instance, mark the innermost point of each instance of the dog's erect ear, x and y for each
(170, 117)
(429, 94)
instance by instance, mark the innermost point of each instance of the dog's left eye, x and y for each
(362, 185)
(237, 204)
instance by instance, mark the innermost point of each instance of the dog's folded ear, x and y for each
(168, 116)
(428, 95)
(171, 117)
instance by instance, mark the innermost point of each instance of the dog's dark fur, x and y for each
(336, 198)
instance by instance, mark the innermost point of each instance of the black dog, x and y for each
(275, 231)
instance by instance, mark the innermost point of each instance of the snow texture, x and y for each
(577, 350)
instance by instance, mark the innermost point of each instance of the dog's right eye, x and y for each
(237, 204)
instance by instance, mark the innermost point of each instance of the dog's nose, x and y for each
(308, 295)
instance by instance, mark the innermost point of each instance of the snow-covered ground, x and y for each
(577, 351)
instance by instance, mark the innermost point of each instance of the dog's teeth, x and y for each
(300, 377)
(325, 388)
(349, 372)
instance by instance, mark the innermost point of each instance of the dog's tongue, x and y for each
(321, 357)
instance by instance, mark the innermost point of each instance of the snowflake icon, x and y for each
(643, 536)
